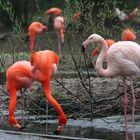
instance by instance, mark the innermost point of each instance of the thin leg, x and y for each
(46, 116)
(125, 109)
(59, 46)
(22, 111)
(133, 109)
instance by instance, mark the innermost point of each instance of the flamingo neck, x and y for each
(101, 58)
(12, 103)
(32, 41)
(53, 102)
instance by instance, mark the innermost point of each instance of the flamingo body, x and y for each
(44, 63)
(122, 57)
(128, 35)
(18, 76)
(54, 11)
(59, 26)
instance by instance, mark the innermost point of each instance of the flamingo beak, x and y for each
(18, 127)
(59, 129)
(83, 48)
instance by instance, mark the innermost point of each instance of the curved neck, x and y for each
(12, 103)
(53, 102)
(32, 41)
(101, 58)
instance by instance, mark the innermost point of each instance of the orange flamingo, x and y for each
(128, 35)
(44, 68)
(18, 76)
(54, 11)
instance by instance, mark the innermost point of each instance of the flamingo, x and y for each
(19, 75)
(123, 59)
(128, 35)
(76, 16)
(123, 16)
(44, 67)
(59, 27)
(54, 11)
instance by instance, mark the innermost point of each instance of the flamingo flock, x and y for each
(123, 59)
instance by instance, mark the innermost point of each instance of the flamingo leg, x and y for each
(47, 116)
(59, 46)
(22, 111)
(133, 109)
(125, 109)
(51, 100)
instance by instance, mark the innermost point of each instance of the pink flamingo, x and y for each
(59, 27)
(123, 59)
(18, 76)
(44, 67)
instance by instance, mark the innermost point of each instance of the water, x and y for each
(109, 128)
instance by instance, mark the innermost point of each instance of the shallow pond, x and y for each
(108, 128)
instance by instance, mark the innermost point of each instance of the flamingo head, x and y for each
(128, 35)
(62, 122)
(36, 27)
(94, 38)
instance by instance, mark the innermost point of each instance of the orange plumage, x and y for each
(128, 35)
(44, 67)
(18, 76)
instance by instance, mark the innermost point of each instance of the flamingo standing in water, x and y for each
(123, 59)
(18, 76)
(44, 68)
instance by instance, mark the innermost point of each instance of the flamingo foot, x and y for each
(59, 129)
